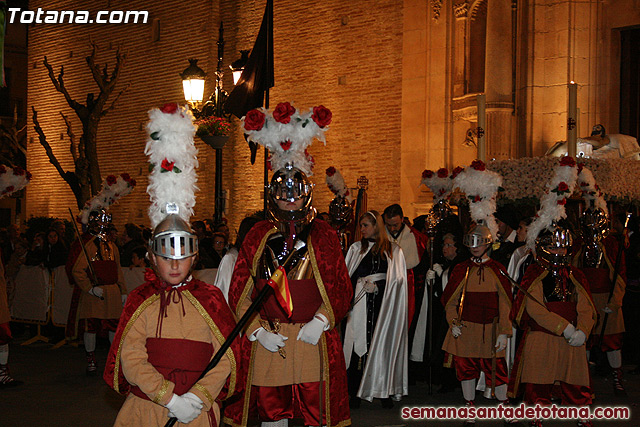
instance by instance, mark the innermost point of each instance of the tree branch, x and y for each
(72, 138)
(59, 85)
(95, 70)
(104, 112)
(43, 141)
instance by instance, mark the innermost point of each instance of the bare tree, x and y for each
(13, 138)
(85, 180)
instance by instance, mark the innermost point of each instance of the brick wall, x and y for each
(344, 55)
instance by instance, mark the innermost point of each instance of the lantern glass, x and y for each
(193, 89)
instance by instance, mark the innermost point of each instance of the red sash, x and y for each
(566, 309)
(106, 270)
(599, 282)
(306, 300)
(179, 361)
(480, 307)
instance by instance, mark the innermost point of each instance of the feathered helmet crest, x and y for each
(287, 132)
(113, 189)
(589, 188)
(173, 162)
(481, 187)
(336, 184)
(440, 183)
(552, 203)
(12, 180)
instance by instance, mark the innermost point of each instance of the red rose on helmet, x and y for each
(567, 161)
(286, 145)
(321, 115)
(427, 174)
(132, 183)
(169, 108)
(562, 201)
(125, 176)
(443, 173)
(283, 112)
(456, 171)
(331, 170)
(111, 179)
(563, 187)
(478, 165)
(18, 171)
(29, 176)
(167, 165)
(580, 167)
(254, 120)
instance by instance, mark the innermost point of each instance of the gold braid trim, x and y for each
(324, 359)
(162, 392)
(219, 337)
(247, 388)
(145, 304)
(252, 271)
(582, 290)
(524, 301)
(500, 287)
(320, 284)
(206, 393)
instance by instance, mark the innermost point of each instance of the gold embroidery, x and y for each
(162, 392)
(247, 391)
(326, 377)
(204, 391)
(320, 284)
(218, 335)
(145, 304)
(254, 266)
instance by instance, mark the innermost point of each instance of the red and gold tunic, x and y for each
(106, 264)
(329, 292)
(544, 356)
(488, 295)
(151, 357)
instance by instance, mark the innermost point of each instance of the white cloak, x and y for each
(386, 370)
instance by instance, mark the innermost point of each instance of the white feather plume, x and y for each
(552, 202)
(335, 182)
(590, 190)
(440, 186)
(173, 157)
(12, 180)
(287, 142)
(481, 187)
(113, 188)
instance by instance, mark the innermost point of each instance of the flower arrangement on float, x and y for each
(525, 178)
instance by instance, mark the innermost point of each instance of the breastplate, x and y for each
(275, 253)
(591, 255)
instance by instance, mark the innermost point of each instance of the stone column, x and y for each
(498, 80)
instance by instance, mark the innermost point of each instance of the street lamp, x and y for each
(193, 86)
(193, 83)
(237, 66)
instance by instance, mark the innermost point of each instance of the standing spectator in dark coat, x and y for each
(131, 238)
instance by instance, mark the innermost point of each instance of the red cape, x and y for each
(211, 299)
(456, 278)
(422, 241)
(336, 291)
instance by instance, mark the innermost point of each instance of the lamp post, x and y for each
(193, 86)
(237, 66)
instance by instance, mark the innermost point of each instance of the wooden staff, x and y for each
(92, 272)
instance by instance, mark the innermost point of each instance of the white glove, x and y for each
(96, 291)
(269, 340)
(607, 310)
(501, 342)
(370, 287)
(456, 331)
(431, 275)
(569, 331)
(185, 409)
(438, 269)
(577, 339)
(311, 332)
(124, 299)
